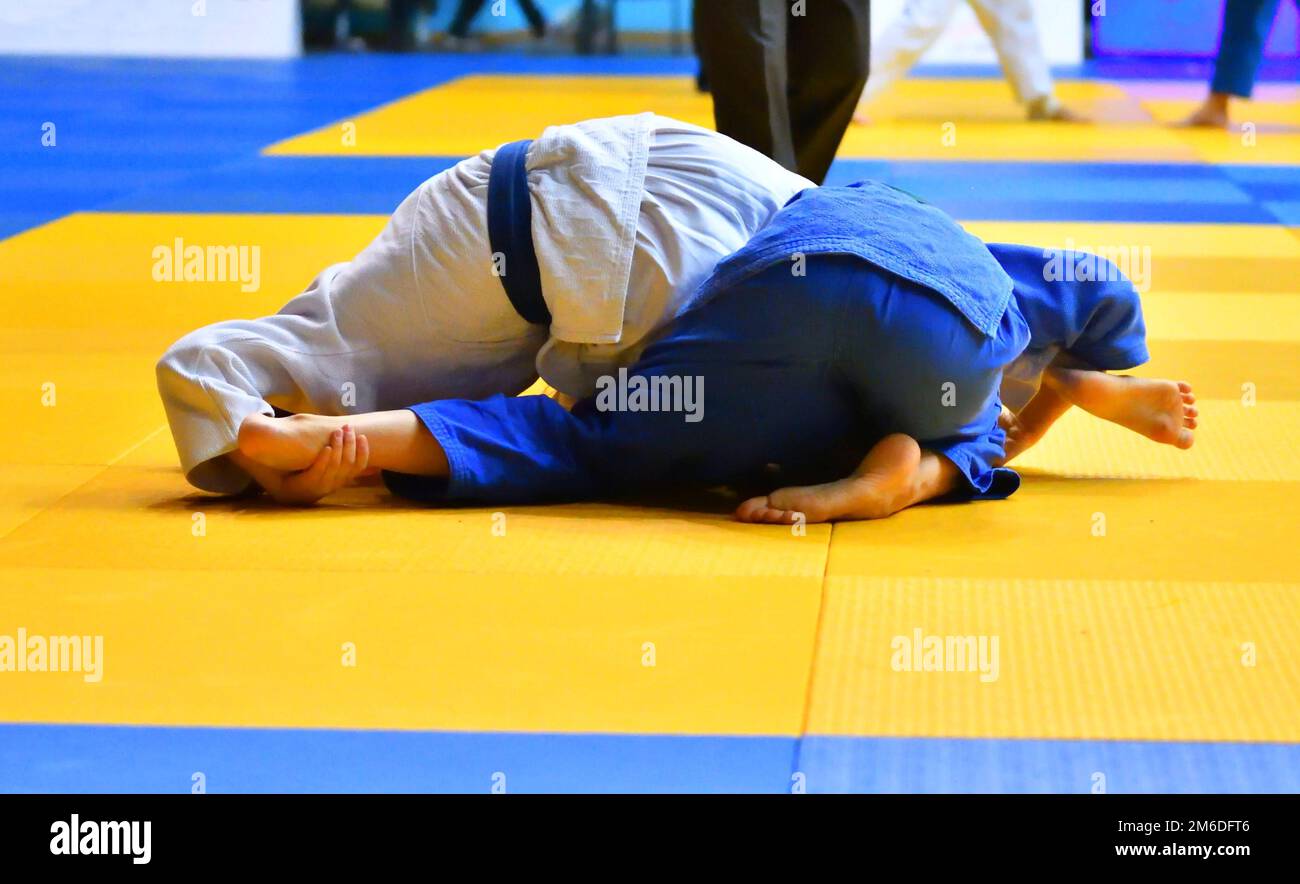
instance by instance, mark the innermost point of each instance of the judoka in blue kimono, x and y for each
(858, 312)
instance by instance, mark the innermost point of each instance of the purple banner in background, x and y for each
(1181, 29)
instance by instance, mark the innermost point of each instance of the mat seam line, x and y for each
(73, 490)
(806, 714)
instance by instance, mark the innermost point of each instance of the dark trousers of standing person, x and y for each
(469, 8)
(1246, 24)
(401, 14)
(785, 75)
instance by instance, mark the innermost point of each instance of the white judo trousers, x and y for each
(630, 214)
(1009, 24)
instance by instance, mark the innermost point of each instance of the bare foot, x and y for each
(1058, 114)
(286, 443)
(1046, 108)
(1207, 118)
(1213, 113)
(884, 484)
(1164, 411)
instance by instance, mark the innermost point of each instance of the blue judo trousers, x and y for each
(857, 312)
(1246, 25)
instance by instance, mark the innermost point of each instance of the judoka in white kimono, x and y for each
(628, 216)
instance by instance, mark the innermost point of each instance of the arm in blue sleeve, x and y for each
(1091, 310)
(1108, 330)
(515, 449)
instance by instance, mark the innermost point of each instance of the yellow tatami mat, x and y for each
(84, 319)
(107, 260)
(656, 622)
(1237, 441)
(433, 651)
(941, 119)
(1181, 660)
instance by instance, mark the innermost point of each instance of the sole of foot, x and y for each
(283, 443)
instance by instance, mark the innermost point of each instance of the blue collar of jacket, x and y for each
(888, 228)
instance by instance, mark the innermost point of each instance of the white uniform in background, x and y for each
(1009, 24)
(629, 215)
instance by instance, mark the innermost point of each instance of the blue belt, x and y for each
(510, 232)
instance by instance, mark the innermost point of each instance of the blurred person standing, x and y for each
(1246, 24)
(785, 76)
(1008, 23)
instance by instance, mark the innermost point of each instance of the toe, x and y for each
(759, 510)
(1185, 438)
(1166, 429)
(749, 510)
(806, 504)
